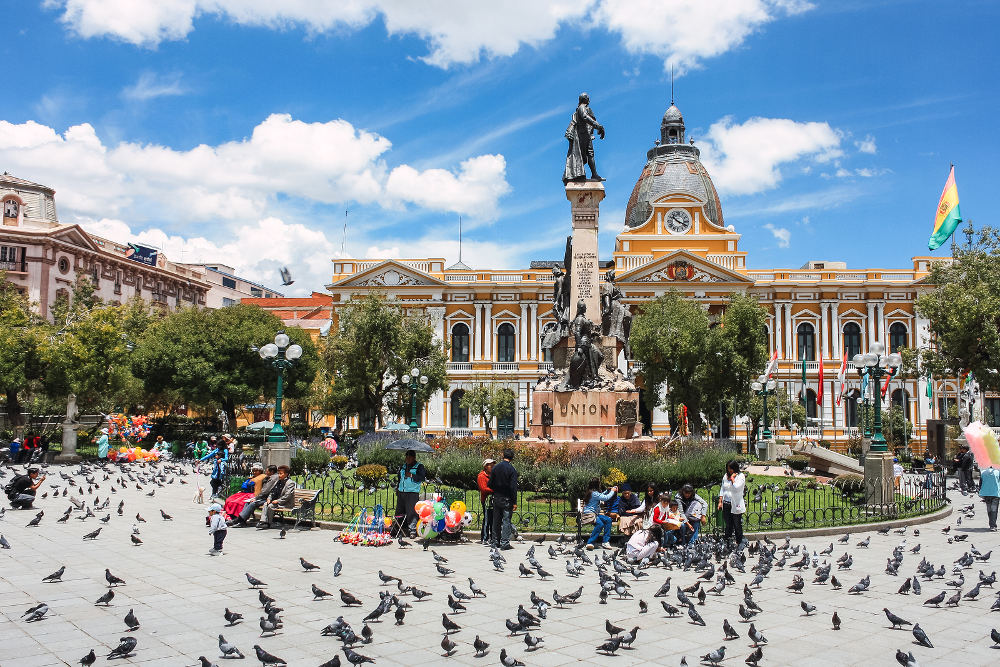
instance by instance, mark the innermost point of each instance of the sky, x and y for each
(264, 134)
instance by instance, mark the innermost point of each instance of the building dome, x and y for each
(672, 167)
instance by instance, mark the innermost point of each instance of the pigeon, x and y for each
(165, 516)
(609, 647)
(135, 540)
(531, 642)
(728, 629)
(387, 578)
(836, 621)
(449, 625)
(906, 659)
(266, 658)
(88, 659)
(756, 636)
(356, 658)
(643, 607)
(448, 646)
(895, 621)
(205, 662)
(715, 656)
(254, 581)
(124, 648)
(455, 605)
(319, 593)
(106, 598)
(905, 587)
(612, 630)
(228, 649)
(337, 567)
(807, 608)
(670, 609)
(480, 646)
(37, 520)
(36, 613)
(995, 636)
(937, 599)
(232, 618)
(55, 576)
(835, 583)
(754, 658)
(419, 594)
(444, 571)
(93, 535)
(4, 543)
(306, 565)
(509, 660)
(695, 616)
(663, 589)
(921, 636)
(131, 621)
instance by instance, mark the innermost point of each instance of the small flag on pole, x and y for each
(930, 386)
(804, 394)
(842, 379)
(948, 216)
(772, 366)
(819, 389)
(888, 377)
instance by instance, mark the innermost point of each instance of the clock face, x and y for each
(677, 221)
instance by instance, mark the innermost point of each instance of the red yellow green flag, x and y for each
(948, 216)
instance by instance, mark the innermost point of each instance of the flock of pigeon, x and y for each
(685, 581)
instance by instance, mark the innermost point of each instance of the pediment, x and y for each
(391, 273)
(682, 267)
(74, 235)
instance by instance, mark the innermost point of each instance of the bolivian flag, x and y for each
(948, 215)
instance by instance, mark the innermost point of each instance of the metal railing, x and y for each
(506, 366)
(459, 365)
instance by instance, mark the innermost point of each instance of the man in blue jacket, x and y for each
(411, 476)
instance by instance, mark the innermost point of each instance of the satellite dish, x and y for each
(286, 276)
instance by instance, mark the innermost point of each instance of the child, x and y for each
(216, 528)
(667, 515)
(643, 544)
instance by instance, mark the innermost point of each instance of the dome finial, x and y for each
(671, 84)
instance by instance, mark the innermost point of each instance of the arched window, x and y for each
(460, 342)
(810, 404)
(766, 336)
(807, 342)
(459, 415)
(897, 337)
(901, 398)
(851, 409)
(505, 342)
(852, 339)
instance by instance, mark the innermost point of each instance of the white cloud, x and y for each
(150, 86)
(782, 234)
(746, 158)
(866, 145)
(682, 32)
(331, 162)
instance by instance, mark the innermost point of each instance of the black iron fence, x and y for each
(773, 504)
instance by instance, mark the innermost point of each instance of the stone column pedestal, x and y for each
(68, 453)
(275, 453)
(585, 274)
(879, 487)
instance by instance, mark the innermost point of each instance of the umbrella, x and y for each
(410, 443)
(260, 426)
(396, 427)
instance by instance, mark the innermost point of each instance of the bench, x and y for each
(304, 506)
(579, 520)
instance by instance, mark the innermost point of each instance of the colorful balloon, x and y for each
(458, 506)
(452, 519)
(467, 519)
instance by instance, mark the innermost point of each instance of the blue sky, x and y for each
(240, 130)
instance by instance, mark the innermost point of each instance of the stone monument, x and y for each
(585, 399)
(69, 429)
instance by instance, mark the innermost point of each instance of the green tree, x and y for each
(962, 310)
(777, 410)
(700, 361)
(206, 357)
(490, 401)
(897, 430)
(21, 333)
(369, 357)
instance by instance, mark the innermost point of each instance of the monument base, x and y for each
(587, 416)
(276, 454)
(879, 482)
(67, 459)
(643, 443)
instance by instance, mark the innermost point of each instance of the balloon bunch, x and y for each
(134, 454)
(364, 533)
(129, 428)
(436, 517)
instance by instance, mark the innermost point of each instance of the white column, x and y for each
(871, 325)
(533, 309)
(477, 333)
(883, 326)
(789, 334)
(778, 343)
(824, 327)
(522, 343)
(492, 337)
(838, 349)
(436, 314)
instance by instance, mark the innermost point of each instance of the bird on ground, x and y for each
(449, 625)
(135, 540)
(319, 593)
(106, 598)
(400, 614)
(387, 578)
(337, 567)
(229, 650)
(93, 535)
(232, 618)
(509, 660)
(267, 626)
(254, 581)
(448, 646)
(670, 609)
(88, 659)
(37, 520)
(36, 613)
(728, 629)
(267, 658)
(165, 516)
(921, 636)
(306, 565)
(131, 621)
(205, 662)
(124, 648)
(906, 659)
(905, 587)
(419, 595)
(4, 544)
(895, 621)
(612, 629)
(609, 647)
(937, 599)
(836, 621)
(807, 608)
(715, 657)
(995, 636)
(756, 636)
(480, 646)
(755, 657)
(476, 590)
(444, 571)
(455, 605)
(55, 576)
(643, 607)
(531, 642)
(836, 584)
(356, 658)
(695, 616)
(138, 517)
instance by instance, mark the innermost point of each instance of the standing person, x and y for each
(21, 490)
(897, 473)
(965, 468)
(644, 543)
(411, 476)
(731, 501)
(989, 491)
(486, 500)
(216, 528)
(694, 510)
(218, 472)
(24, 456)
(592, 508)
(103, 444)
(282, 495)
(503, 481)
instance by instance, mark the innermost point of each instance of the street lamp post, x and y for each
(416, 379)
(764, 387)
(876, 365)
(282, 356)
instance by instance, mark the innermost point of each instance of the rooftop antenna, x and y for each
(671, 84)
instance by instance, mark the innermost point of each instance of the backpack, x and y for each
(8, 488)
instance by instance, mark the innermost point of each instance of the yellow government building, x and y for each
(674, 238)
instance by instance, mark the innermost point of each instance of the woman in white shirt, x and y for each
(731, 501)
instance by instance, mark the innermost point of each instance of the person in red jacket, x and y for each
(486, 498)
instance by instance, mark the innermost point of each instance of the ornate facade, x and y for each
(674, 238)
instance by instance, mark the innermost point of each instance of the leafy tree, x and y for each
(777, 409)
(370, 355)
(701, 362)
(895, 428)
(490, 401)
(963, 310)
(20, 335)
(206, 357)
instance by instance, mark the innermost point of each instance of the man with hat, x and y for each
(965, 462)
(486, 498)
(103, 444)
(411, 476)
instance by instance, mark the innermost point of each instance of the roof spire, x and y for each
(671, 84)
